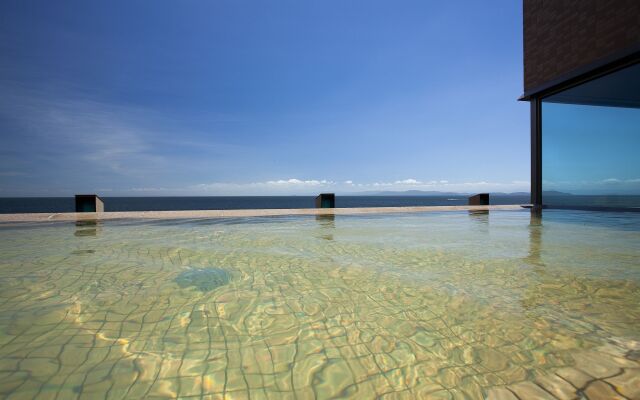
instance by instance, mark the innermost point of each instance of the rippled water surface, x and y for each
(441, 305)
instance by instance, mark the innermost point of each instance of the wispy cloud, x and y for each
(72, 142)
(77, 130)
(12, 173)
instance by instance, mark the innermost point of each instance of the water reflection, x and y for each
(481, 216)
(535, 239)
(480, 222)
(327, 223)
(88, 228)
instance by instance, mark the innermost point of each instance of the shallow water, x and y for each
(442, 305)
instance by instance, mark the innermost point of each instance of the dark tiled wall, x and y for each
(563, 35)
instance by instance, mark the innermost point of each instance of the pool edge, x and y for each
(189, 214)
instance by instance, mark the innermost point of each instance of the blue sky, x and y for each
(590, 149)
(261, 97)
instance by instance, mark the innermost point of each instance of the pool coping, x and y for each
(193, 214)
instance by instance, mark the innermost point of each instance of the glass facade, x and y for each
(591, 144)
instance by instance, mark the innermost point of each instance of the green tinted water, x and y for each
(442, 305)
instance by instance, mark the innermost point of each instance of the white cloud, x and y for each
(312, 186)
(152, 189)
(276, 186)
(481, 183)
(616, 180)
(408, 182)
(297, 182)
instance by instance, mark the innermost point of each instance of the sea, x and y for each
(66, 204)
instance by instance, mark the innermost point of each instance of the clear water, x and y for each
(442, 305)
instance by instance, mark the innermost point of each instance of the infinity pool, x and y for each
(442, 305)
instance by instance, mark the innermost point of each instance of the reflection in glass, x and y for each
(590, 139)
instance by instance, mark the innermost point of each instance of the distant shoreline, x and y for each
(166, 203)
(18, 205)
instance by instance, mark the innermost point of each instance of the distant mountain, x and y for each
(427, 193)
(555, 193)
(435, 193)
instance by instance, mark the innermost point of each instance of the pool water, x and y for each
(432, 305)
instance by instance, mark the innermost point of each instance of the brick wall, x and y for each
(562, 35)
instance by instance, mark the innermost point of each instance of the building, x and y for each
(582, 78)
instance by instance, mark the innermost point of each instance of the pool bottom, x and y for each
(444, 305)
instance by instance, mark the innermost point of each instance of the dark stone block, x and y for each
(326, 200)
(481, 199)
(89, 203)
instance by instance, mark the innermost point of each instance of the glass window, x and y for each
(591, 143)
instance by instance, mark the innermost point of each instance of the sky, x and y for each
(590, 149)
(142, 98)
